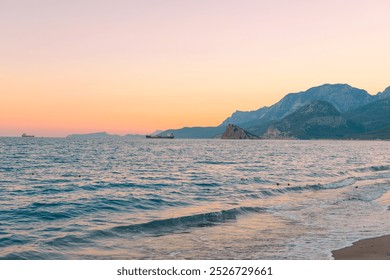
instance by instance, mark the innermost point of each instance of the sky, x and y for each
(137, 66)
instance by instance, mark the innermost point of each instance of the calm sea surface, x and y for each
(189, 199)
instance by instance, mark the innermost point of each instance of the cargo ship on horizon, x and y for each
(27, 135)
(168, 136)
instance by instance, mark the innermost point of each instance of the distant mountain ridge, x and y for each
(384, 94)
(102, 135)
(342, 96)
(317, 119)
(353, 107)
(374, 117)
(92, 135)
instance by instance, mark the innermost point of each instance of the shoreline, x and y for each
(376, 248)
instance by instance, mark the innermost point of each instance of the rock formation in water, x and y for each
(235, 132)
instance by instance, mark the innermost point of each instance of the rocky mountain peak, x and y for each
(384, 94)
(342, 96)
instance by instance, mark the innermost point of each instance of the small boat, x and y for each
(26, 135)
(168, 136)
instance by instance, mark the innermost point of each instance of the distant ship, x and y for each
(168, 136)
(26, 135)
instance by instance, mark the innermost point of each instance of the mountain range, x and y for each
(316, 119)
(102, 135)
(326, 111)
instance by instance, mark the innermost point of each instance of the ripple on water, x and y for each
(64, 198)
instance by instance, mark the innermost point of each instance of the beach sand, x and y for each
(377, 248)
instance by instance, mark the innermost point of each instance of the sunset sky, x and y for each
(77, 66)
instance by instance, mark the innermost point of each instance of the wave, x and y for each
(374, 168)
(14, 240)
(33, 255)
(380, 168)
(207, 184)
(315, 187)
(64, 210)
(154, 228)
(216, 162)
(159, 227)
(106, 185)
(69, 239)
(124, 185)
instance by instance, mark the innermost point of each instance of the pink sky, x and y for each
(137, 66)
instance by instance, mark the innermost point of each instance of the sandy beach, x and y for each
(377, 248)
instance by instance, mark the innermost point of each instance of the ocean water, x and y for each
(189, 199)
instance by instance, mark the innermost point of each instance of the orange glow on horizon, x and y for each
(134, 67)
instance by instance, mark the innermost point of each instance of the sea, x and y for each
(63, 198)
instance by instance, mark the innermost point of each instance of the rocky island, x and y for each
(235, 132)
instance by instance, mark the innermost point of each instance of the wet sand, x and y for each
(377, 248)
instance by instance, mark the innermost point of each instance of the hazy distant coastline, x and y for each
(103, 135)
